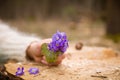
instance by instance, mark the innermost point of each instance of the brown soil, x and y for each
(90, 63)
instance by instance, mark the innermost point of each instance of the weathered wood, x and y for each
(89, 63)
(5, 75)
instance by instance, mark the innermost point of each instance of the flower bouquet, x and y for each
(55, 48)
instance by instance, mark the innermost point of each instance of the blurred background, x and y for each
(93, 22)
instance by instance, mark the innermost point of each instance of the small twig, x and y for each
(100, 76)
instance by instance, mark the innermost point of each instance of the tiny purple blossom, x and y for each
(59, 42)
(20, 71)
(33, 70)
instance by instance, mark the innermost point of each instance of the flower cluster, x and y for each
(59, 42)
(33, 70)
(20, 71)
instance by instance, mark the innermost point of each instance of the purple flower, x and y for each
(20, 71)
(33, 70)
(59, 42)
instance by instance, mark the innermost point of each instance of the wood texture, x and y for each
(90, 63)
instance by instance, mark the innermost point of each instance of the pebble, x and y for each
(79, 46)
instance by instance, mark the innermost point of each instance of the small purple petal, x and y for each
(33, 70)
(18, 68)
(22, 68)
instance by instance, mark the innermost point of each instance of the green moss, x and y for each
(115, 38)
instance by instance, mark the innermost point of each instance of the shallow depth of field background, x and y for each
(90, 21)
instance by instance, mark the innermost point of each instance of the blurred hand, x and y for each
(34, 51)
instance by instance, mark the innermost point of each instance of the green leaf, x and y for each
(50, 56)
(44, 49)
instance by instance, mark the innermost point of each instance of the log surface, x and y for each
(90, 63)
